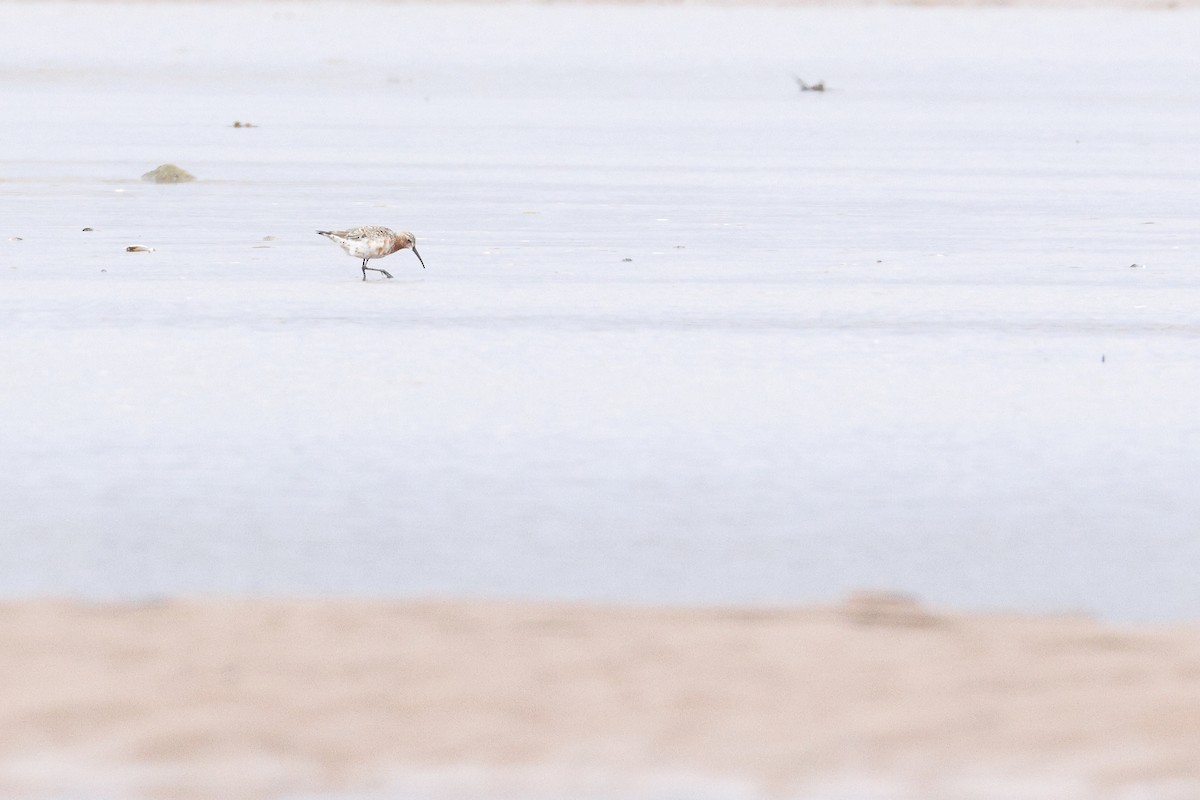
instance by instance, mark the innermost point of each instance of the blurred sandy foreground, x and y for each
(877, 698)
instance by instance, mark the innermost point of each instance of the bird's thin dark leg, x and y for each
(373, 269)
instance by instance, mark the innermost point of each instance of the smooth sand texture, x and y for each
(876, 698)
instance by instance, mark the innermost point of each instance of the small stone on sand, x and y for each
(893, 609)
(168, 173)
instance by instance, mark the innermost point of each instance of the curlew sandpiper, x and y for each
(373, 241)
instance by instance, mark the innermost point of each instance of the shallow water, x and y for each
(686, 334)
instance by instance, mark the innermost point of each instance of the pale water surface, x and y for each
(686, 334)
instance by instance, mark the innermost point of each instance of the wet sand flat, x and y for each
(877, 697)
(688, 338)
(687, 335)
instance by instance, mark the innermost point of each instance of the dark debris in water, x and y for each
(819, 86)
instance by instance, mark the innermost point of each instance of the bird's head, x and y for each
(407, 240)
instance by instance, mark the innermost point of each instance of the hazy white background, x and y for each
(686, 334)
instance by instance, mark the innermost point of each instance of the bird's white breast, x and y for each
(367, 247)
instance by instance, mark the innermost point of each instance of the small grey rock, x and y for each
(168, 173)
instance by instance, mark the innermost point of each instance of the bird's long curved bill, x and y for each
(418, 255)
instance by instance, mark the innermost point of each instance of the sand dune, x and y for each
(876, 698)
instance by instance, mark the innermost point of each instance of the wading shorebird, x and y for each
(373, 241)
